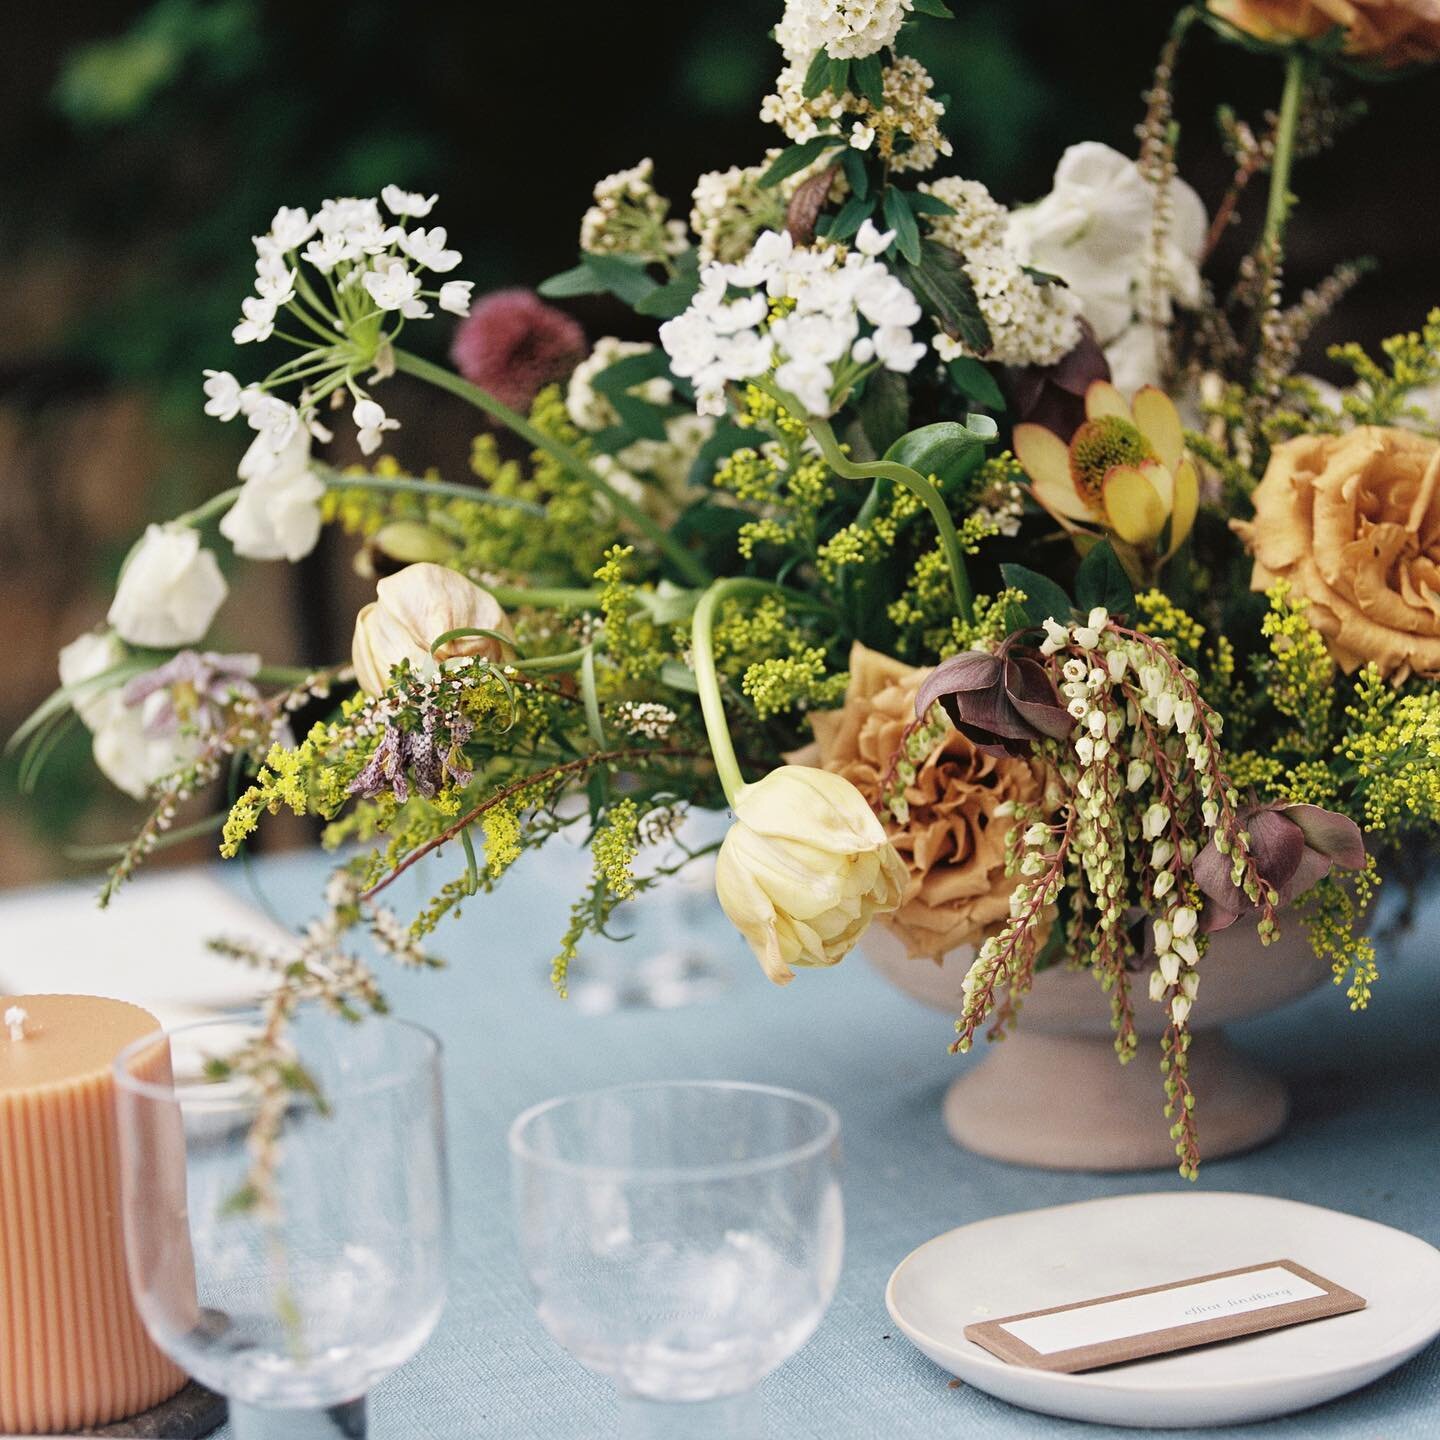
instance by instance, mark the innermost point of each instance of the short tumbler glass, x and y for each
(294, 1301)
(683, 1239)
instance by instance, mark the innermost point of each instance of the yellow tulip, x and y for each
(804, 869)
(1125, 471)
(412, 609)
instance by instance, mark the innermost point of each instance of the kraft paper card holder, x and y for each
(1139, 1324)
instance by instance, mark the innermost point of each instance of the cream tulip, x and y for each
(412, 609)
(804, 869)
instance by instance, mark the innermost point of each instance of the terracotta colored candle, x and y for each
(73, 1351)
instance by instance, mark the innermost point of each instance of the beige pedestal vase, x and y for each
(1053, 1093)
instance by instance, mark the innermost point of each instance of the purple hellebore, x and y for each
(1293, 847)
(1002, 702)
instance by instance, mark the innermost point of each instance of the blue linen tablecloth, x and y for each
(1363, 1139)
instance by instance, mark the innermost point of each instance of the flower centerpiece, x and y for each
(996, 567)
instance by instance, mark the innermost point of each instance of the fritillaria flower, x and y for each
(1124, 473)
(1003, 702)
(1294, 847)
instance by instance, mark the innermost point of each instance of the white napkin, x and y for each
(149, 947)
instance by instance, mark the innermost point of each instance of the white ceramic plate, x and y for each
(1040, 1258)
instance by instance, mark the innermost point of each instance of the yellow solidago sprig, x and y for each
(1382, 395)
(1393, 742)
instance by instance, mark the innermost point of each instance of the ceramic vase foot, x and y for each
(1063, 1102)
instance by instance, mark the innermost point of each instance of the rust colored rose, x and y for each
(1352, 522)
(1389, 32)
(953, 843)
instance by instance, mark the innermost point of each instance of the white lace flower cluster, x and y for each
(362, 277)
(653, 473)
(905, 129)
(844, 29)
(1030, 323)
(728, 209)
(836, 316)
(629, 217)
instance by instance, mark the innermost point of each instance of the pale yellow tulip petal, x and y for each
(1133, 507)
(1159, 423)
(1185, 505)
(1043, 454)
(1102, 398)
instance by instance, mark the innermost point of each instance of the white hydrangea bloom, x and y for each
(1030, 323)
(1094, 230)
(818, 341)
(845, 29)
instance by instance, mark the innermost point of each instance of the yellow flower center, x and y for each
(1099, 444)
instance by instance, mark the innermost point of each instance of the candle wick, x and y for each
(15, 1018)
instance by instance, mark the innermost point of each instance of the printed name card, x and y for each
(1141, 1323)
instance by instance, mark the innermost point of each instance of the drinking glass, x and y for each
(682, 1239)
(294, 1298)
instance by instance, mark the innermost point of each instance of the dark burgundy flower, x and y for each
(1002, 702)
(513, 344)
(1293, 846)
(1054, 395)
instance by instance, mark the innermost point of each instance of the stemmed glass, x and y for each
(683, 1239)
(293, 1302)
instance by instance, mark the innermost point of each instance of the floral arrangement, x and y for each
(996, 567)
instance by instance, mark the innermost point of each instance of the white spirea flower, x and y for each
(845, 29)
(371, 422)
(170, 589)
(629, 217)
(406, 202)
(1094, 230)
(455, 296)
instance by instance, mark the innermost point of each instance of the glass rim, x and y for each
(521, 1149)
(181, 1093)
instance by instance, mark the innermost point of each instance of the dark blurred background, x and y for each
(141, 145)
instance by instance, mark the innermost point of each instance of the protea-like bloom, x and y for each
(1125, 472)
(1293, 847)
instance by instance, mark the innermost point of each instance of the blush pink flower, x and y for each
(513, 344)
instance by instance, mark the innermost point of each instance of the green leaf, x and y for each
(923, 204)
(818, 75)
(943, 288)
(938, 8)
(851, 217)
(975, 382)
(837, 79)
(1044, 277)
(870, 79)
(853, 163)
(678, 677)
(1043, 597)
(884, 409)
(900, 218)
(644, 420)
(580, 280)
(797, 157)
(670, 299)
(947, 450)
(625, 278)
(629, 371)
(1101, 580)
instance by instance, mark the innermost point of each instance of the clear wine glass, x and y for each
(294, 1298)
(683, 1239)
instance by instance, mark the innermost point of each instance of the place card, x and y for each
(1137, 1324)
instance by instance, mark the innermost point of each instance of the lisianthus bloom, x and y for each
(804, 869)
(1390, 32)
(1125, 470)
(1293, 846)
(412, 609)
(513, 344)
(1352, 524)
(951, 832)
(1003, 702)
(169, 591)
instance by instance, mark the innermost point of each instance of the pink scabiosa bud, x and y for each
(513, 344)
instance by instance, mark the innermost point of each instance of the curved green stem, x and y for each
(707, 681)
(408, 485)
(679, 556)
(544, 597)
(1277, 211)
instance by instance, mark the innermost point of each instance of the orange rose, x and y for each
(1275, 20)
(1390, 32)
(1352, 522)
(953, 843)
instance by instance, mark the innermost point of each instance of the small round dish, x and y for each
(1040, 1258)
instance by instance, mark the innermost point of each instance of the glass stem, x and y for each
(336, 1422)
(735, 1417)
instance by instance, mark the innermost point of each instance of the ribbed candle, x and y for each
(73, 1350)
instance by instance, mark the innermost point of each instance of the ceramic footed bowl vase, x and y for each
(1053, 1094)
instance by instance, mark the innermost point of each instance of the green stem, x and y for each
(679, 556)
(408, 485)
(707, 681)
(898, 474)
(514, 596)
(1277, 211)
